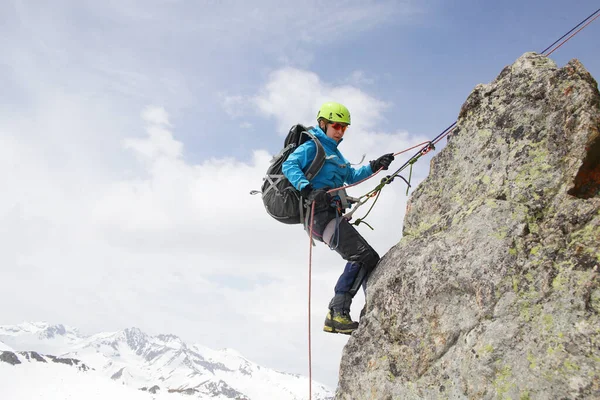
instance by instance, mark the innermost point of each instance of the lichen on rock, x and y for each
(494, 290)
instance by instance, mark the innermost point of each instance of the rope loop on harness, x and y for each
(360, 220)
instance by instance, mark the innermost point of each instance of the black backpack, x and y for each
(282, 201)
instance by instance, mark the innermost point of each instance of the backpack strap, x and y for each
(319, 160)
(312, 170)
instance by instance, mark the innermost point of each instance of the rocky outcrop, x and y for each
(69, 361)
(32, 356)
(494, 290)
(9, 357)
(154, 389)
(222, 389)
(117, 375)
(54, 331)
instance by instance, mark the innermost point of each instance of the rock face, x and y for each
(32, 356)
(494, 290)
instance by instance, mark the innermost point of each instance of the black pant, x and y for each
(347, 242)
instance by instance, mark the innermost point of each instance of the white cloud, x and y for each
(159, 144)
(360, 78)
(203, 213)
(156, 115)
(158, 241)
(235, 106)
(105, 222)
(292, 95)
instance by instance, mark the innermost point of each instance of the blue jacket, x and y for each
(336, 171)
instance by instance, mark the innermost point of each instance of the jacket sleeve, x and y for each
(297, 162)
(355, 175)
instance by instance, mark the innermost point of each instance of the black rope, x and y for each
(431, 145)
(428, 146)
(565, 35)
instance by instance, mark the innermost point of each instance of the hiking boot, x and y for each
(339, 322)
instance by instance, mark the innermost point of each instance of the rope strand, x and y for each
(570, 37)
(562, 37)
(312, 216)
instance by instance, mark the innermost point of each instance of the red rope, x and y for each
(575, 33)
(374, 173)
(414, 147)
(441, 137)
(312, 215)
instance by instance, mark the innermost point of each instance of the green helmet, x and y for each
(334, 112)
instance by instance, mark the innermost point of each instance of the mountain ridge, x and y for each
(164, 361)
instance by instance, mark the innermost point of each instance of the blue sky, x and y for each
(132, 131)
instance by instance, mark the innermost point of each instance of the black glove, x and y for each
(382, 162)
(320, 197)
(305, 192)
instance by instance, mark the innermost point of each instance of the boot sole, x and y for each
(342, 331)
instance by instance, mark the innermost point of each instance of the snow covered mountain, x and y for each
(155, 364)
(4, 347)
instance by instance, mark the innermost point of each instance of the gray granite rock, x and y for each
(494, 290)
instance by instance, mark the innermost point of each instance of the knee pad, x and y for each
(368, 258)
(365, 270)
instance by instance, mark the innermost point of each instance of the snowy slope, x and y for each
(47, 381)
(4, 347)
(47, 338)
(137, 360)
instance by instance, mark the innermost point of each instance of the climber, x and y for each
(328, 226)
